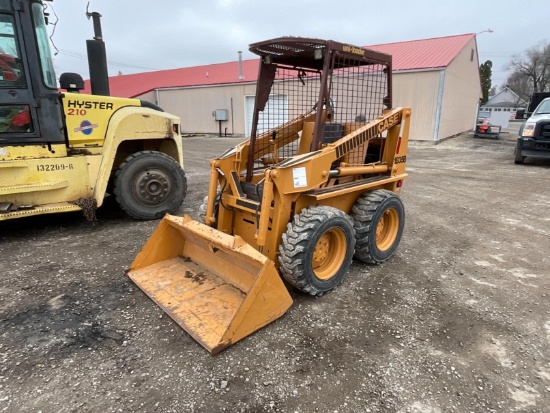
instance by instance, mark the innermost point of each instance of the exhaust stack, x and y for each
(97, 59)
(241, 65)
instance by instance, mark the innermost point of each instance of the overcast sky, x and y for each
(146, 35)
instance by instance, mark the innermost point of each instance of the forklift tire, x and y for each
(378, 219)
(317, 249)
(149, 184)
(518, 159)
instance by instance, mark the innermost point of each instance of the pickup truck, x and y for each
(534, 134)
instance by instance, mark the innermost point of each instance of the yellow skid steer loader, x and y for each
(316, 184)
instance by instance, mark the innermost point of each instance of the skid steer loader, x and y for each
(316, 185)
(60, 151)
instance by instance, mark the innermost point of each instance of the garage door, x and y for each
(274, 114)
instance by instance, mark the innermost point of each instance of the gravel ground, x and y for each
(457, 321)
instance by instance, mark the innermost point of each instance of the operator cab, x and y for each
(30, 110)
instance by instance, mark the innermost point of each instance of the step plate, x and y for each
(44, 186)
(40, 210)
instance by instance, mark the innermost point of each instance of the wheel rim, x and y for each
(329, 253)
(152, 187)
(387, 229)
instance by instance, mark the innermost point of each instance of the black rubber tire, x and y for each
(518, 159)
(366, 215)
(149, 184)
(299, 249)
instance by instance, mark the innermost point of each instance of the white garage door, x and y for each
(274, 114)
(499, 117)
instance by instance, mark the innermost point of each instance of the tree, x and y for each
(521, 85)
(485, 72)
(530, 71)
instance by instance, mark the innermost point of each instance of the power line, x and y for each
(81, 56)
(503, 54)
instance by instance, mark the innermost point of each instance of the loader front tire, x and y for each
(317, 249)
(149, 184)
(378, 219)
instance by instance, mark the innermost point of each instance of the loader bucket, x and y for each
(215, 286)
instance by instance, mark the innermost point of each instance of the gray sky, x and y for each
(145, 35)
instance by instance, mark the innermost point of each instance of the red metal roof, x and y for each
(214, 74)
(438, 52)
(433, 53)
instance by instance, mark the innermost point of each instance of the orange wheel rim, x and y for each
(329, 253)
(387, 228)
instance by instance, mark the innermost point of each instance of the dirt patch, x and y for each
(458, 320)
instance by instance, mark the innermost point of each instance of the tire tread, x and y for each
(363, 213)
(292, 258)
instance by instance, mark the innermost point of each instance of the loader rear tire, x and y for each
(149, 184)
(378, 219)
(317, 249)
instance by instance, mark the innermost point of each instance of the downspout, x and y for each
(232, 123)
(476, 115)
(157, 94)
(439, 105)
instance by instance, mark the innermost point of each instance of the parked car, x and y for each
(534, 134)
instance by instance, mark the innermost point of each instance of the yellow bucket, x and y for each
(215, 286)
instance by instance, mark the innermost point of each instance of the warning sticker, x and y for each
(300, 179)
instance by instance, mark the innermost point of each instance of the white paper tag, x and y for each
(300, 178)
(3, 151)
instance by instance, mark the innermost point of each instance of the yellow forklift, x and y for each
(59, 151)
(316, 184)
